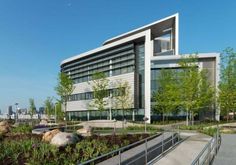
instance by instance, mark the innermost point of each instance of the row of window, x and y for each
(108, 73)
(87, 78)
(99, 67)
(90, 59)
(90, 95)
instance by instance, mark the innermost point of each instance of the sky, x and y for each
(36, 35)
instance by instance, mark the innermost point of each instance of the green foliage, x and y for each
(190, 78)
(209, 131)
(227, 85)
(17, 149)
(122, 96)
(22, 129)
(166, 97)
(64, 87)
(203, 128)
(91, 149)
(49, 106)
(31, 150)
(166, 122)
(32, 108)
(141, 128)
(100, 85)
(187, 89)
(59, 112)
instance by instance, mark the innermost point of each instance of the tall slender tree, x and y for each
(58, 111)
(227, 85)
(122, 95)
(49, 106)
(64, 88)
(100, 85)
(166, 98)
(195, 89)
(32, 107)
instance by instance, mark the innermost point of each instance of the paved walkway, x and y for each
(136, 154)
(227, 152)
(187, 151)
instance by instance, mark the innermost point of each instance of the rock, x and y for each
(43, 122)
(63, 138)
(4, 123)
(47, 137)
(4, 127)
(86, 131)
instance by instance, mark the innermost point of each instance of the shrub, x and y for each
(22, 129)
(142, 128)
(209, 131)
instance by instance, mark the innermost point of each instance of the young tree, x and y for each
(166, 97)
(59, 113)
(64, 88)
(227, 85)
(49, 106)
(32, 108)
(122, 96)
(100, 85)
(206, 94)
(195, 89)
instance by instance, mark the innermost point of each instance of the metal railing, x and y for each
(206, 156)
(149, 151)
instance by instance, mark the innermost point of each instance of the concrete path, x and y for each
(187, 151)
(136, 154)
(227, 152)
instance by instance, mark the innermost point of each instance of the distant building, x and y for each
(22, 111)
(41, 110)
(10, 111)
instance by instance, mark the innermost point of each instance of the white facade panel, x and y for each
(86, 87)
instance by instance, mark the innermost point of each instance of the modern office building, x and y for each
(135, 57)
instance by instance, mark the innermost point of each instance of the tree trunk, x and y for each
(227, 116)
(234, 114)
(187, 117)
(65, 110)
(192, 118)
(163, 118)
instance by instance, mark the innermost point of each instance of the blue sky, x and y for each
(35, 36)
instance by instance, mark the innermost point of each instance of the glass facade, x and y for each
(89, 95)
(116, 114)
(112, 62)
(140, 74)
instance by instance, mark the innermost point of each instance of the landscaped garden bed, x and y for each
(21, 147)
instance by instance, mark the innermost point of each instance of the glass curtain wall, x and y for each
(139, 49)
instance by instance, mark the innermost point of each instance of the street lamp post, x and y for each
(16, 104)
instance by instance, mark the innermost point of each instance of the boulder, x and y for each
(47, 137)
(4, 123)
(86, 131)
(43, 122)
(4, 127)
(63, 138)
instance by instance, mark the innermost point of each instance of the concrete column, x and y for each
(147, 72)
(88, 115)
